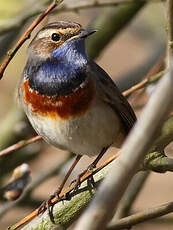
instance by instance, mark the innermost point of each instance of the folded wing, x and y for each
(109, 93)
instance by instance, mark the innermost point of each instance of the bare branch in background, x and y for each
(26, 36)
(18, 21)
(130, 195)
(142, 216)
(170, 29)
(112, 22)
(19, 145)
(143, 83)
(132, 154)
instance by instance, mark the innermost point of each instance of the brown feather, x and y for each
(109, 93)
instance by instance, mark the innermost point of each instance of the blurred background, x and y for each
(131, 39)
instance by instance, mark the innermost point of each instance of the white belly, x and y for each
(84, 135)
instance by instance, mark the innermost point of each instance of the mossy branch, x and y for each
(66, 212)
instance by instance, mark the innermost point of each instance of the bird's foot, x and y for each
(91, 167)
(48, 205)
(91, 178)
(77, 181)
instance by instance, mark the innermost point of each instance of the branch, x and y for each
(143, 83)
(26, 36)
(18, 21)
(132, 155)
(77, 206)
(130, 195)
(142, 216)
(138, 181)
(112, 22)
(152, 64)
(158, 162)
(5, 208)
(54, 170)
(19, 145)
(170, 29)
(64, 217)
(68, 209)
(167, 132)
(14, 126)
(166, 136)
(155, 161)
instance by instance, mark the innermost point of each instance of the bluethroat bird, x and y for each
(71, 101)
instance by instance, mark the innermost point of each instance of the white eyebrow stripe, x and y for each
(48, 32)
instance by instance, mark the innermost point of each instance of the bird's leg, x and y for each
(58, 191)
(48, 204)
(94, 163)
(90, 168)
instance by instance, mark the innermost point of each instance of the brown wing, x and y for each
(109, 93)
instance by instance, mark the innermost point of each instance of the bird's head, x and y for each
(59, 39)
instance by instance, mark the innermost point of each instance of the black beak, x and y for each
(86, 33)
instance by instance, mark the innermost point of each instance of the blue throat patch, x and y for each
(60, 74)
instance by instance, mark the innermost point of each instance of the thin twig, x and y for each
(142, 216)
(130, 195)
(64, 192)
(54, 170)
(170, 29)
(17, 22)
(19, 145)
(92, 4)
(6, 207)
(143, 83)
(26, 36)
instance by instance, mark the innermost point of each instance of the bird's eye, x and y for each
(55, 37)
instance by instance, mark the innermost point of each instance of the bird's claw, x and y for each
(77, 181)
(48, 205)
(45, 205)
